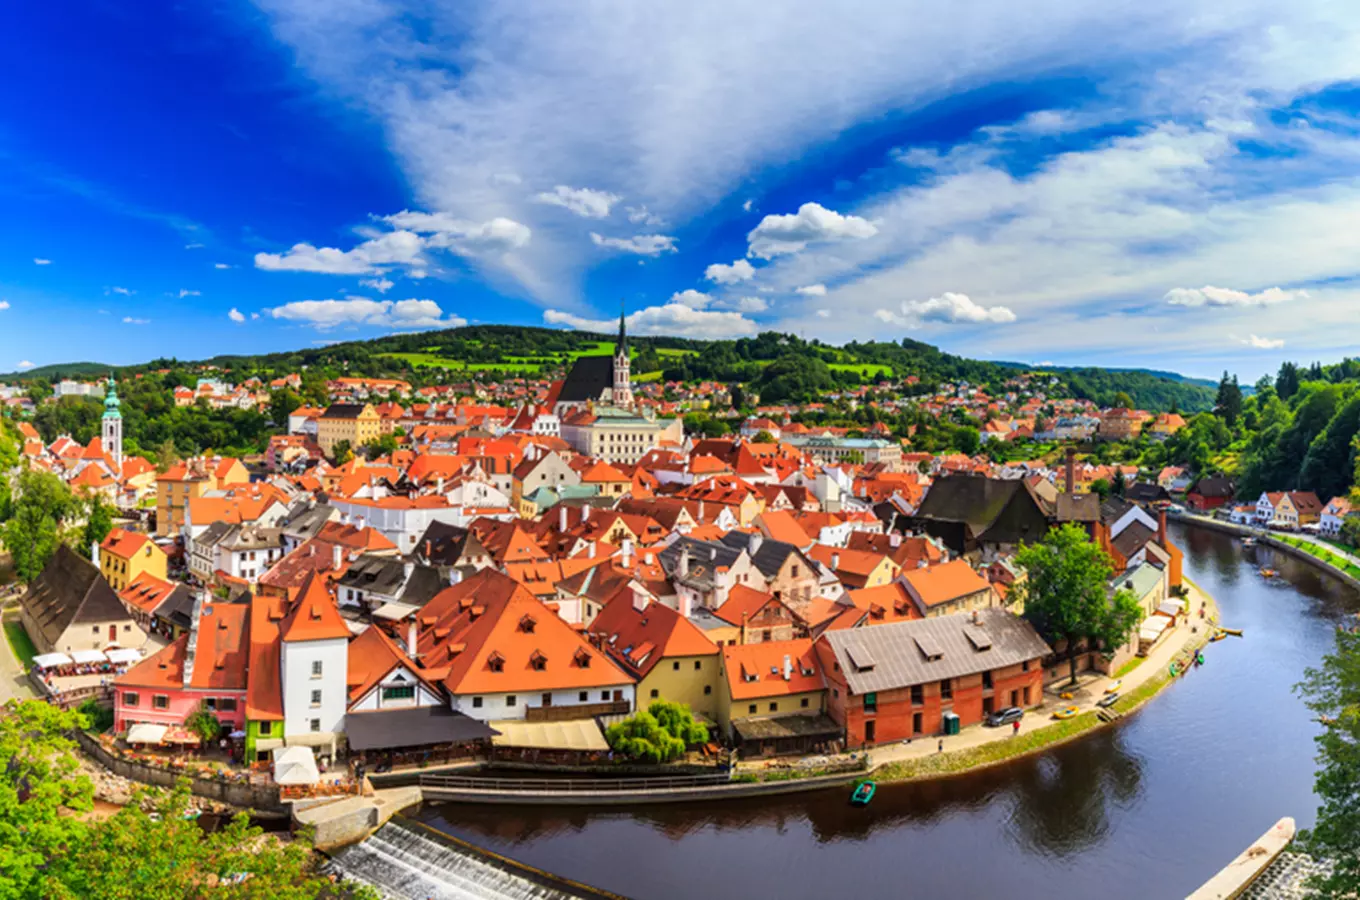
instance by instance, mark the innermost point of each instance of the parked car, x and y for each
(1005, 716)
(1108, 700)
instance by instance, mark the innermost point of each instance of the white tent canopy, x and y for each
(51, 660)
(88, 656)
(295, 765)
(142, 733)
(120, 655)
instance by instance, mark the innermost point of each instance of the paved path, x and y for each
(14, 684)
(1091, 689)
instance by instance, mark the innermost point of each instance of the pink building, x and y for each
(169, 686)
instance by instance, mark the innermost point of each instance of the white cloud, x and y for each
(1217, 296)
(126, 292)
(447, 232)
(949, 307)
(585, 202)
(221, 266)
(670, 319)
(381, 285)
(129, 320)
(813, 223)
(642, 244)
(24, 364)
(392, 248)
(823, 313)
(185, 292)
(254, 315)
(39, 261)
(194, 246)
(750, 304)
(4, 304)
(1261, 343)
(739, 270)
(746, 207)
(691, 298)
(236, 315)
(812, 290)
(640, 215)
(325, 314)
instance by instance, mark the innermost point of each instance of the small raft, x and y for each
(1235, 632)
(1066, 712)
(864, 792)
(1217, 636)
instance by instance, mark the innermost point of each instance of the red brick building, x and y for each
(897, 681)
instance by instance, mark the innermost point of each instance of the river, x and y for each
(1149, 808)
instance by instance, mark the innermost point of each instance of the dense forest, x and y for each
(780, 367)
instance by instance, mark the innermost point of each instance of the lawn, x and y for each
(435, 361)
(1129, 666)
(986, 754)
(1324, 555)
(864, 370)
(20, 643)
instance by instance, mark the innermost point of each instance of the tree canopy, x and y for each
(42, 503)
(1067, 596)
(660, 734)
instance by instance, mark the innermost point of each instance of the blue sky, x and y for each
(1164, 184)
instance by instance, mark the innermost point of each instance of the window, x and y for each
(210, 703)
(774, 707)
(1024, 666)
(96, 630)
(316, 724)
(655, 693)
(946, 690)
(509, 699)
(751, 709)
(604, 696)
(986, 681)
(871, 701)
(675, 666)
(708, 689)
(316, 698)
(316, 668)
(794, 571)
(226, 704)
(698, 664)
(476, 702)
(804, 704)
(1026, 692)
(917, 695)
(915, 723)
(127, 627)
(160, 701)
(266, 729)
(584, 697)
(399, 692)
(130, 698)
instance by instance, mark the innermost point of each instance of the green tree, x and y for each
(660, 734)
(382, 445)
(1117, 486)
(166, 456)
(281, 405)
(764, 437)
(97, 718)
(1287, 382)
(1101, 488)
(203, 722)
(1122, 400)
(98, 522)
(1332, 691)
(1228, 406)
(31, 534)
(738, 395)
(1066, 595)
(966, 440)
(342, 452)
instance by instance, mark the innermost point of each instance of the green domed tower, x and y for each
(111, 427)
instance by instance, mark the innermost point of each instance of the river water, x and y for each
(1149, 808)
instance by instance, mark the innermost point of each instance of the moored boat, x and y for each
(864, 792)
(1114, 686)
(1066, 712)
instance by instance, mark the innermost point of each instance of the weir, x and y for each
(406, 861)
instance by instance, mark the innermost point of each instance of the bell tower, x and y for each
(111, 428)
(623, 390)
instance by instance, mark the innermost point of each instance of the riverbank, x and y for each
(985, 748)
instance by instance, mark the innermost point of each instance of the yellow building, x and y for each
(353, 422)
(670, 657)
(125, 555)
(768, 681)
(188, 479)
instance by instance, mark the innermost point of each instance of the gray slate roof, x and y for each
(890, 656)
(705, 558)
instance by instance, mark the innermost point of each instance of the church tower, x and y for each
(111, 428)
(623, 390)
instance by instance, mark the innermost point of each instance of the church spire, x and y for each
(623, 333)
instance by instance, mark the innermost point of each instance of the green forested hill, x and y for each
(779, 366)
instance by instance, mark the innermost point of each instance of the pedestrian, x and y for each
(1015, 728)
(941, 747)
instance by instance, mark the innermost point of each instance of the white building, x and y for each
(314, 667)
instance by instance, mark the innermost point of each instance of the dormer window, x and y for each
(527, 624)
(538, 661)
(583, 658)
(495, 662)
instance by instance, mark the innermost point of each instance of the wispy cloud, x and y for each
(236, 315)
(585, 202)
(130, 320)
(126, 292)
(1261, 343)
(185, 292)
(672, 318)
(642, 244)
(331, 313)
(39, 261)
(4, 304)
(24, 364)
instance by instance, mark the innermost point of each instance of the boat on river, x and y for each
(864, 792)
(1268, 573)
(1066, 712)
(1114, 686)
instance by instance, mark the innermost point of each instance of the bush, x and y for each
(658, 735)
(98, 719)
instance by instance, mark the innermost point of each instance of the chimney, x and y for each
(439, 485)
(627, 553)
(744, 617)
(835, 561)
(754, 543)
(411, 636)
(360, 523)
(788, 668)
(1069, 468)
(408, 570)
(895, 539)
(590, 550)
(683, 567)
(640, 601)
(429, 550)
(562, 517)
(1161, 527)
(94, 553)
(977, 619)
(585, 511)
(337, 556)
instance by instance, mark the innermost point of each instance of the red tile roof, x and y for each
(757, 670)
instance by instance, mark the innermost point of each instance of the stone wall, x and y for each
(261, 797)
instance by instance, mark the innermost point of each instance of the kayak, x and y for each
(1066, 712)
(864, 792)
(1114, 686)
(1218, 636)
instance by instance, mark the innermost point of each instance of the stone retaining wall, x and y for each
(728, 791)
